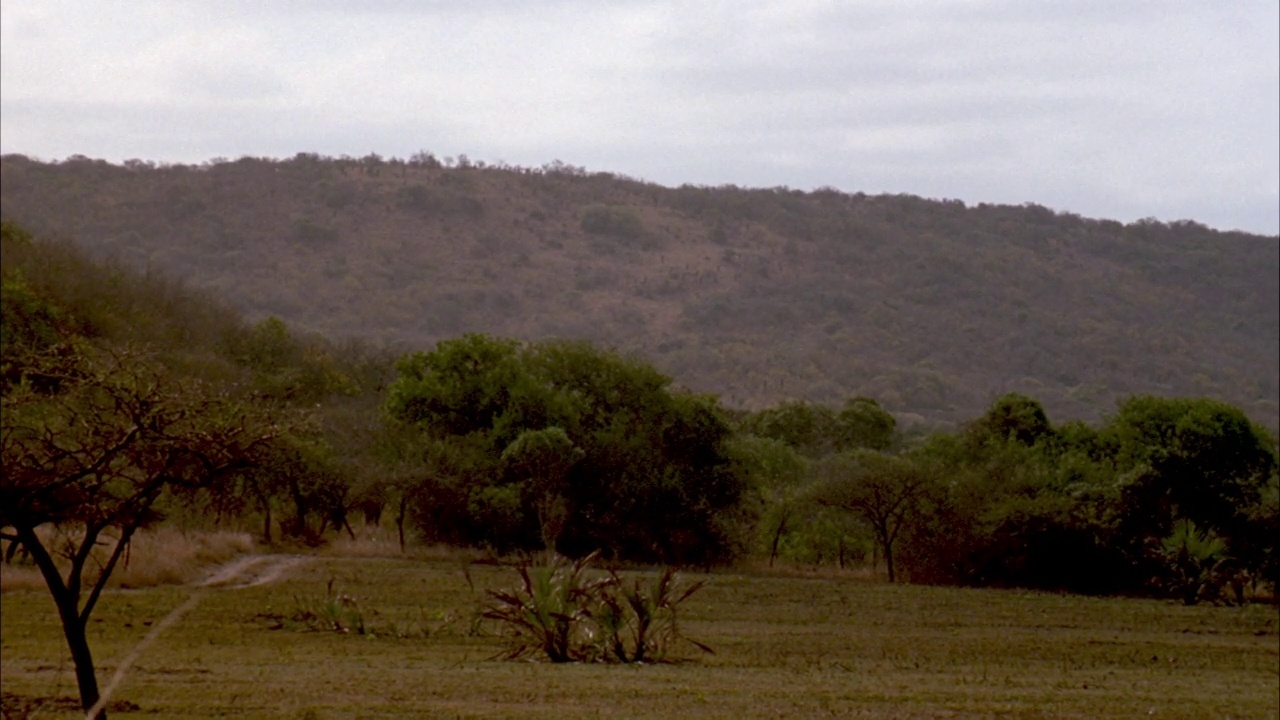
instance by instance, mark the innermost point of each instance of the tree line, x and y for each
(1168, 496)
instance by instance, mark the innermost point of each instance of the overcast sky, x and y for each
(1107, 109)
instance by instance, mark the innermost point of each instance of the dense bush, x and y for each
(1017, 502)
(616, 222)
(562, 444)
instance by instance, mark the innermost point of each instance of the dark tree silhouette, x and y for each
(93, 459)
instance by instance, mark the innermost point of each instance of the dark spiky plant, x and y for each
(566, 613)
(638, 619)
(550, 611)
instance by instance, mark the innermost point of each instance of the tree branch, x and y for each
(125, 536)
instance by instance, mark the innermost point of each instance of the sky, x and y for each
(1125, 110)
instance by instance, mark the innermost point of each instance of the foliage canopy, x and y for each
(627, 464)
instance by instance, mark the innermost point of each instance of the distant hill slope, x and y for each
(932, 307)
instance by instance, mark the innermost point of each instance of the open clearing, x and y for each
(785, 647)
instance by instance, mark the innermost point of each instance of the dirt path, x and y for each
(251, 571)
(243, 572)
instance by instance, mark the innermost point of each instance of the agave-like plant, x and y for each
(550, 611)
(638, 619)
(1192, 558)
(564, 613)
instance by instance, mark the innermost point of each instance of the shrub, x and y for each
(550, 611)
(1191, 560)
(441, 201)
(638, 619)
(618, 222)
(563, 612)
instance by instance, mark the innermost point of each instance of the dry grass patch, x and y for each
(163, 556)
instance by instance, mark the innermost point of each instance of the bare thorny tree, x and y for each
(91, 443)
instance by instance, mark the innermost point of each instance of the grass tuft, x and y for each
(334, 611)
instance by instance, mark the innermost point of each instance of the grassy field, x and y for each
(786, 646)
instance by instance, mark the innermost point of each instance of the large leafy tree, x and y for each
(810, 428)
(542, 459)
(1096, 510)
(776, 477)
(1012, 416)
(862, 423)
(644, 473)
(1193, 459)
(92, 451)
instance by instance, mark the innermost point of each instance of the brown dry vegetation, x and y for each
(785, 647)
(161, 556)
(932, 307)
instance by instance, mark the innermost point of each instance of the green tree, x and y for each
(95, 457)
(999, 512)
(288, 369)
(463, 386)
(808, 427)
(862, 423)
(1015, 416)
(298, 467)
(30, 324)
(1196, 460)
(775, 475)
(1258, 547)
(880, 489)
(542, 459)
(653, 481)
(1189, 458)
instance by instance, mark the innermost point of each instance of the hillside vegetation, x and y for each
(932, 307)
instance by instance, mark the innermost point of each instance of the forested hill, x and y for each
(932, 307)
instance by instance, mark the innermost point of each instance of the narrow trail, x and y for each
(251, 571)
(244, 572)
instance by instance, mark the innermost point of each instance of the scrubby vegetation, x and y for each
(931, 306)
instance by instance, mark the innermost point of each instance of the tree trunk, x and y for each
(266, 517)
(553, 513)
(300, 517)
(777, 537)
(404, 504)
(888, 559)
(78, 644)
(73, 627)
(884, 539)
